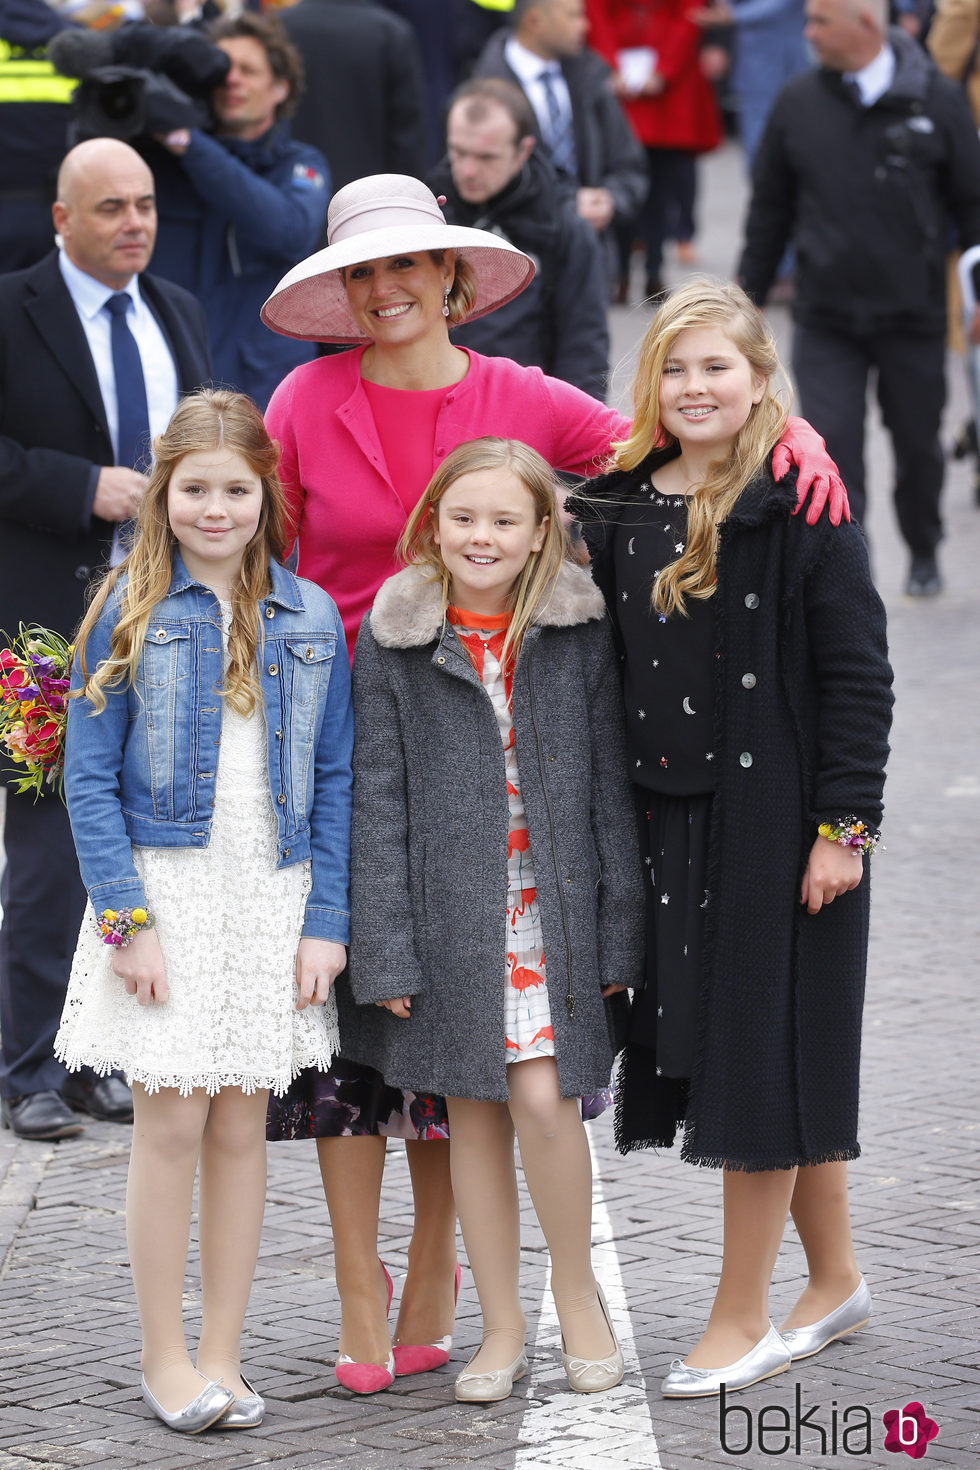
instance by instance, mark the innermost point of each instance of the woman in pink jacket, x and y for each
(361, 435)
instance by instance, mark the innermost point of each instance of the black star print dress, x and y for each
(669, 697)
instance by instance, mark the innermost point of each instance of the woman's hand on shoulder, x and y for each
(817, 474)
(318, 963)
(831, 871)
(400, 1007)
(139, 964)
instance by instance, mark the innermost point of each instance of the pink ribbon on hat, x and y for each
(383, 214)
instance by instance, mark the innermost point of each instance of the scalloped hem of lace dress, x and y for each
(209, 1082)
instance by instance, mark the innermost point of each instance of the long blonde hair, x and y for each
(212, 418)
(704, 301)
(536, 582)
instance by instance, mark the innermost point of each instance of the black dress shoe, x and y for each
(39, 1115)
(924, 579)
(106, 1098)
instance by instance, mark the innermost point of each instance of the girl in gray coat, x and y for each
(497, 892)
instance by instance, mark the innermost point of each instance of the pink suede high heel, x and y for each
(422, 1357)
(367, 1377)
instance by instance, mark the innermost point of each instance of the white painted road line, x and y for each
(574, 1431)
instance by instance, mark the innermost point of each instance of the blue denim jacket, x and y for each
(142, 772)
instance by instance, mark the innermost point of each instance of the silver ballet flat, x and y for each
(593, 1375)
(487, 1388)
(768, 1357)
(245, 1412)
(803, 1342)
(209, 1405)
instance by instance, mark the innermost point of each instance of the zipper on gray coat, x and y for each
(570, 993)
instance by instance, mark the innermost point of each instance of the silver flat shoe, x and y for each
(803, 1342)
(768, 1357)
(487, 1388)
(245, 1412)
(209, 1405)
(593, 1375)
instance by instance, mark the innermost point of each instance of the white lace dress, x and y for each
(229, 923)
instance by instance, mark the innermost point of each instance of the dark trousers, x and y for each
(668, 212)
(43, 902)
(831, 370)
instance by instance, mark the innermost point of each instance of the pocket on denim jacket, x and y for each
(309, 667)
(166, 654)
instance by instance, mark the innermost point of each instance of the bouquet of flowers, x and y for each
(35, 670)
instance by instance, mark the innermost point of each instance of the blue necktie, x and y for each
(133, 434)
(561, 138)
(853, 89)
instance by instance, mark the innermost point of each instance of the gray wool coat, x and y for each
(429, 841)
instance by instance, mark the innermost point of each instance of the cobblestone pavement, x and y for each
(68, 1331)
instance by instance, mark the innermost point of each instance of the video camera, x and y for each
(138, 81)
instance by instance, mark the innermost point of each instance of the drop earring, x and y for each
(445, 301)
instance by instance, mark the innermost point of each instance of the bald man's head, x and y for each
(551, 29)
(105, 212)
(846, 34)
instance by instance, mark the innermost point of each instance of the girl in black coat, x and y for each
(758, 705)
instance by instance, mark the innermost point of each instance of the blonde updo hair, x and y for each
(462, 292)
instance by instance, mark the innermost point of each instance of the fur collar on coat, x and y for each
(408, 612)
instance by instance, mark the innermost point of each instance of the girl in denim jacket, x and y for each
(208, 784)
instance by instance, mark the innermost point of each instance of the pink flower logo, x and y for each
(909, 1429)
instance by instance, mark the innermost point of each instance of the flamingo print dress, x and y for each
(528, 1031)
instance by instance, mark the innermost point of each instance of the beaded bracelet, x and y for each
(120, 927)
(850, 832)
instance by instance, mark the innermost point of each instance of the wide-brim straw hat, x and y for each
(372, 219)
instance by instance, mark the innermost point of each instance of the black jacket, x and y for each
(802, 741)
(866, 195)
(558, 323)
(364, 104)
(54, 437)
(607, 153)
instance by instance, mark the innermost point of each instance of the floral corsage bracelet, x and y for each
(121, 926)
(850, 832)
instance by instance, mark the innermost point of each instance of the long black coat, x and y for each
(429, 841)
(54, 437)
(364, 103)
(802, 711)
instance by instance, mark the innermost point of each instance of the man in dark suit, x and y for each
(67, 481)
(579, 122)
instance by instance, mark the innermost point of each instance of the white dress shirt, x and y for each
(159, 371)
(528, 68)
(873, 80)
